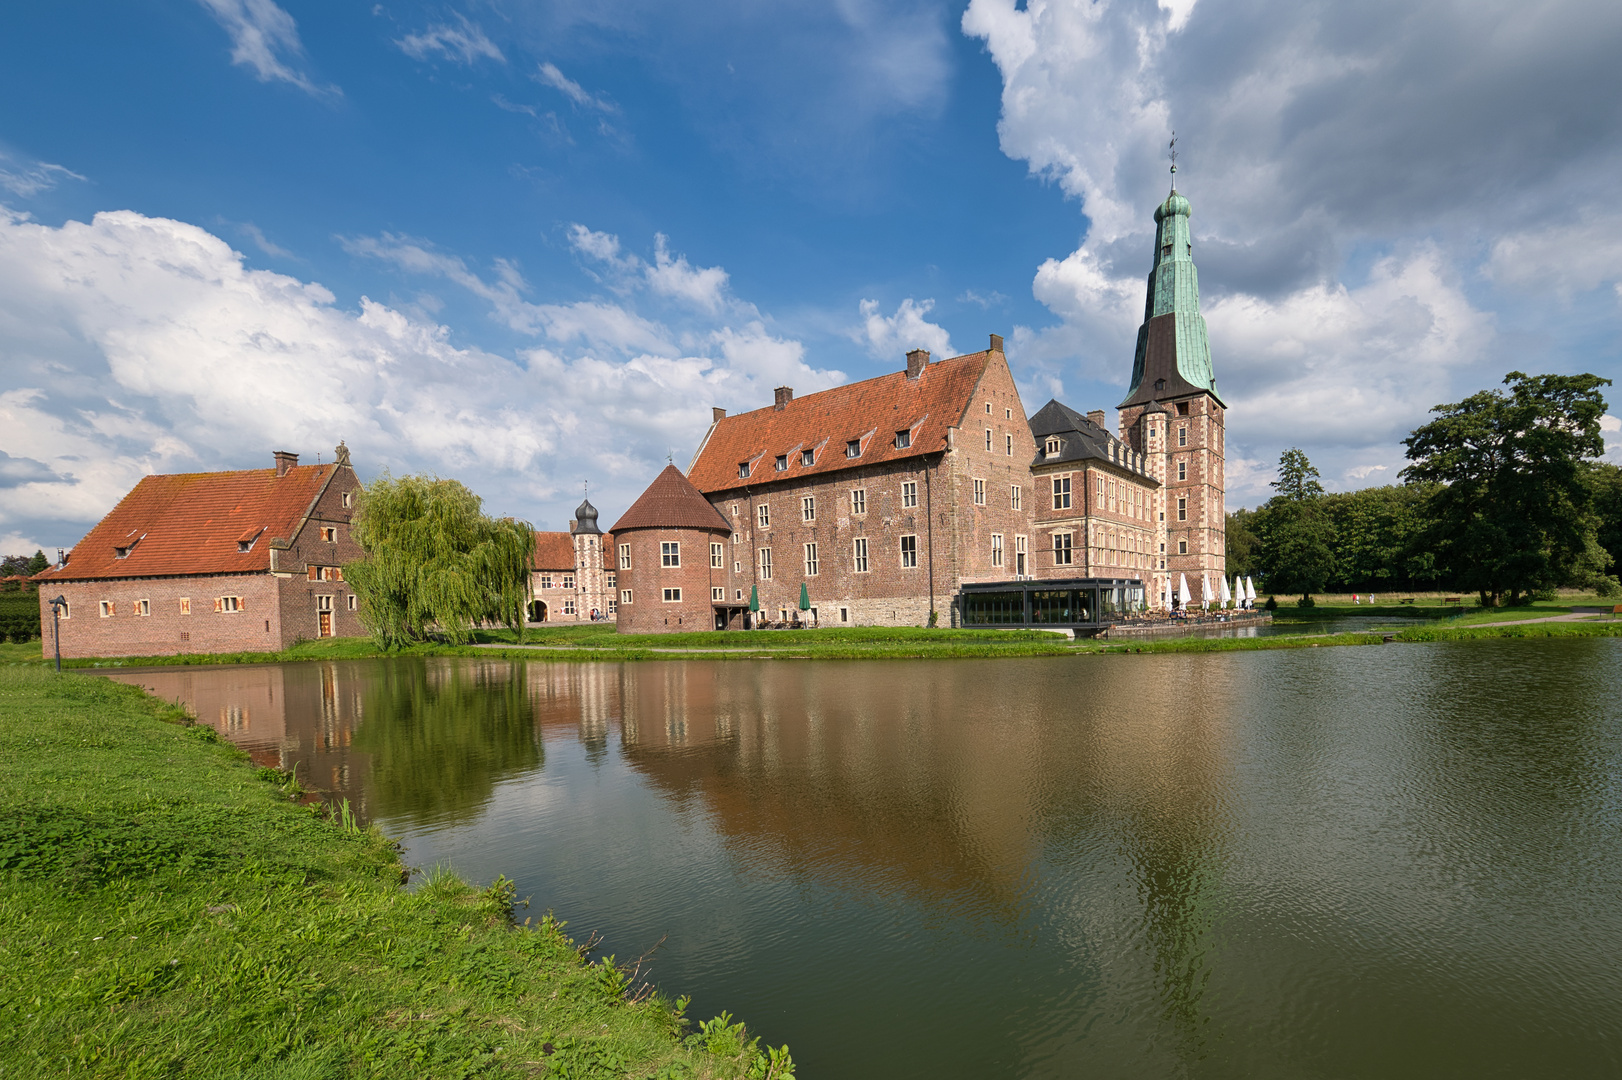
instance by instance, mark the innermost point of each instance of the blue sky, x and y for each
(530, 244)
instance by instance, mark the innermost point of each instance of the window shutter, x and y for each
(315, 573)
(241, 604)
(219, 604)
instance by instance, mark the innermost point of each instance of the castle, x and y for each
(927, 495)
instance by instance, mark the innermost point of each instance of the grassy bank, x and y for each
(167, 911)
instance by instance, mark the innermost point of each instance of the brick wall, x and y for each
(994, 408)
(1201, 452)
(647, 577)
(257, 627)
(300, 597)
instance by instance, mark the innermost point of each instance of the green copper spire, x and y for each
(1174, 353)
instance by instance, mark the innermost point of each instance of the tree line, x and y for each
(1504, 496)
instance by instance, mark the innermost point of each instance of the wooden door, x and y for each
(326, 623)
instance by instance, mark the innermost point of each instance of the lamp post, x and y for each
(56, 626)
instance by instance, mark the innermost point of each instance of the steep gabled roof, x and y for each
(871, 411)
(671, 502)
(195, 523)
(1081, 440)
(554, 551)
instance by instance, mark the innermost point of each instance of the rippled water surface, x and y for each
(1398, 861)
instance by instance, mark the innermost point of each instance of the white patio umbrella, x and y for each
(1183, 596)
(1250, 591)
(1205, 591)
(1224, 596)
(1169, 596)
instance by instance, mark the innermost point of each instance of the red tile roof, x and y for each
(190, 523)
(871, 411)
(554, 551)
(672, 502)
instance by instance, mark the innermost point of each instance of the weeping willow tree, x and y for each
(434, 562)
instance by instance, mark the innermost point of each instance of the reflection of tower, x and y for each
(588, 562)
(594, 708)
(1172, 414)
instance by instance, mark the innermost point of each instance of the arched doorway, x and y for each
(537, 611)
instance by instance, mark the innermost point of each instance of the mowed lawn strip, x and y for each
(166, 910)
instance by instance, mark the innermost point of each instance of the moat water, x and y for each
(1400, 861)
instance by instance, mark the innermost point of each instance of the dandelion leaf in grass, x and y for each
(434, 562)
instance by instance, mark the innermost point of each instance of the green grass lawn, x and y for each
(166, 910)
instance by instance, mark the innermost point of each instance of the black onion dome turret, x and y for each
(585, 520)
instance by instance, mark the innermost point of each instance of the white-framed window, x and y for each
(782, 463)
(718, 592)
(988, 436)
(568, 606)
(853, 448)
(1182, 470)
(1052, 446)
(765, 564)
(625, 556)
(669, 553)
(185, 605)
(609, 580)
(613, 606)
(909, 493)
(1019, 555)
(1061, 549)
(1151, 431)
(1182, 436)
(1182, 509)
(109, 608)
(808, 458)
(996, 549)
(348, 498)
(143, 607)
(225, 605)
(353, 602)
(1182, 547)
(323, 603)
(717, 556)
(329, 533)
(979, 493)
(672, 596)
(988, 408)
(909, 552)
(844, 614)
(743, 470)
(808, 508)
(1010, 444)
(737, 566)
(625, 596)
(1061, 493)
(859, 554)
(903, 439)
(1013, 496)
(734, 513)
(546, 581)
(858, 500)
(763, 516)
(810, 560)
(568, 581)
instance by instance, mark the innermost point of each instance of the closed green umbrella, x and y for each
(754, 599)
(805, 597)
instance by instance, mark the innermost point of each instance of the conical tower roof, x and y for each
(672, 502)
(1174, 352)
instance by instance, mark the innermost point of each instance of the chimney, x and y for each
(785, 395)
(284, 461)
(1097, 417)
(717, 414)
(996, 343)
(917, 360)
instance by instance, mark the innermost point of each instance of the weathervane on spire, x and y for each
(1174, 160)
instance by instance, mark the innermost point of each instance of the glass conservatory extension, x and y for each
(1072, 602)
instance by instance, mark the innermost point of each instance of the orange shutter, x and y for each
(219, 604)
(241, 604)
(315, 573)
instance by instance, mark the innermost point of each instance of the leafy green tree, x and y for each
(38, 562)
(1294, 532)
(435, 561)
(1514, 510)
(1377, 537)
(1606, 480)
(1242, 543)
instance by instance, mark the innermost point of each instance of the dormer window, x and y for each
(1160, 384)
(853, 448)
(782, 463)
(122, 552)
(1052, 447)
(244, 545)
(743, 470)
(903, 439)
(808, 458)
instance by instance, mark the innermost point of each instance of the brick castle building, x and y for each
(247, 561)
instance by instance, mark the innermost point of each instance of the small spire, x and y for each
(1173, 149)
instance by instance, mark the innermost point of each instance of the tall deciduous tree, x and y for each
(1515, 510)
(435, 561)
(1293, 530)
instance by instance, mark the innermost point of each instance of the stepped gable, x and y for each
(195, 523)
(554, 551)
(871, 411)
(672, 502)
(1173, 357)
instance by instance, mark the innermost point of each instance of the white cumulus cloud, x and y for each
(889, 337)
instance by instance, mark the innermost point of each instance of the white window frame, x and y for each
(853, 448)
(765, 563)
(354, 602)
(143, 607)
(717, 556)
(1061, 492)
(1063, 545)
(858, 551)
(979, 492)
(625, 596)
(568, 607)
(1014, 496)
(908, 553)
(1052, 447)
(858, 501)
(1182, 547)
(811, 560)
(1182, 470)
(108, 608)
(996, 549)
(988, 435)
(909, 493)
(670, 554)
(625, 556)
(763, 515)
(718, 593)
(1182, 509)
(1182, 435)
(671, 594)
(808, 508)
